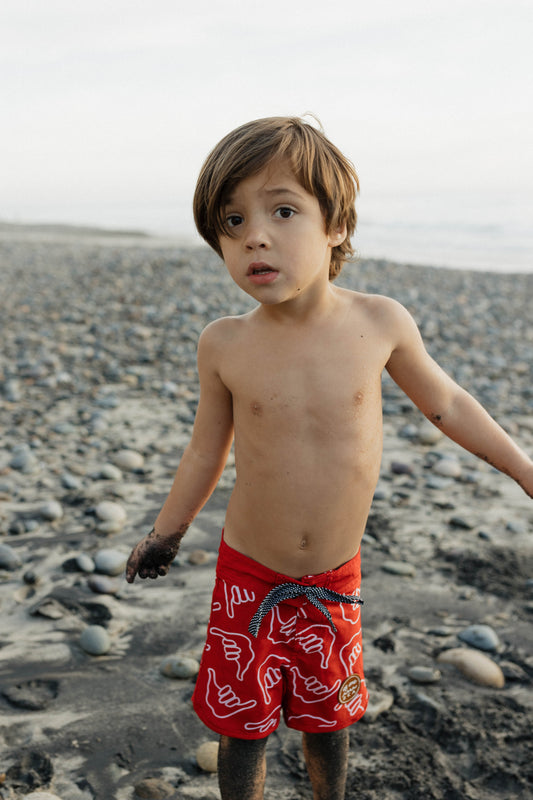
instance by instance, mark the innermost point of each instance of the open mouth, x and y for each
(260, 268)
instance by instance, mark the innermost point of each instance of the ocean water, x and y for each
(469, 233)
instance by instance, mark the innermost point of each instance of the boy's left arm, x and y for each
(447, 405)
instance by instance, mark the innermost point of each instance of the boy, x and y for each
(296, 384)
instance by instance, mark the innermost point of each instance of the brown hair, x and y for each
(319, 167)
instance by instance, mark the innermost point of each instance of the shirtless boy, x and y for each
(296, 383)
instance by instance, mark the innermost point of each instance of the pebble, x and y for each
(95, 640)
(23, 459)
(207, 756)
(9, 558)
(85, 563)
(101, 584)
(424, 674)
(199, 557)
(448, 467)
(112, 516)
(154, 789)
(378, 703)
(179, 666)
(51, 510)
(41, 796)
(128, 460)
(399, 568)
(429, 434)
(72, 482)
(110, 472)
(481, 636)
(110, 562)
(474, 665)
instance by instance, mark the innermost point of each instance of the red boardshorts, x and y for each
(279, 643)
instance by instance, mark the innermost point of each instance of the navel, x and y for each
(304, 542)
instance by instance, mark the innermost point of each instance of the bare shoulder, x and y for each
(219, 336)
(387, 314)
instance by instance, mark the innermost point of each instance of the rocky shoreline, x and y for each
(98, 390)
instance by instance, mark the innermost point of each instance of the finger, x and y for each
(131, 570)
(163, 570)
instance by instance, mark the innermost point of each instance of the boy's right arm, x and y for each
(200, 467)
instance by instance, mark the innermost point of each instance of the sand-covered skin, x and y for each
(98, 357)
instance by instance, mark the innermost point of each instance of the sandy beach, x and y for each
(98, 390)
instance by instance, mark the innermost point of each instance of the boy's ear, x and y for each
(337, 236)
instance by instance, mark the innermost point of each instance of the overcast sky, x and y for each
(113, 104)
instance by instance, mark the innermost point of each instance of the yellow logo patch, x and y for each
(349, 689)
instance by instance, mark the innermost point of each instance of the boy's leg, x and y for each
(241, 768)
(326, 758)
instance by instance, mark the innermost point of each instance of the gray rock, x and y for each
(128, 460)
(423, 674)
(71, 481)
(110, 473)
(378, 703)
(448, 467)
(102, 584)
(399, 568)
(51, 510)
(23, 459)
(179, 666)
(9, 558)
(483, 637)
(110, 562)
(95, 640)
(85, 563)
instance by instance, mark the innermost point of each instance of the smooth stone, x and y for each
(110, 562)
(448, 468)
(85, 563)
(154, 789)
(128, 460)
(9, 558)
(378, 704)
(41, 796)
(107, 511)
(182, 667)
(199, 557)
(51, 510)
(519, 528)
(101, 584)
(461, 523)
(400, 468)
(438, 482)
(23, 459)
(481, 636)
(424, 674)
(69, 481)
(207, 756)
(110, 472)
(429, 434)
(95, 640)
(474, 665)
(399, 568)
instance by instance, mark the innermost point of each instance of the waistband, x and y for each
(282, 587)
(232, 561)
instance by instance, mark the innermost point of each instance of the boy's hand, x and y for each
(152, 557)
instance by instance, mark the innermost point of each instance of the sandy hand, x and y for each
(152, 557)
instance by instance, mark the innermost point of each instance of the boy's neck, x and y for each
(312, 307)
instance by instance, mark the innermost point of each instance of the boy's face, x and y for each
(279, 249)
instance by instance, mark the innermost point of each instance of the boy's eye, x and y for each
(232, 220)
(284, 212)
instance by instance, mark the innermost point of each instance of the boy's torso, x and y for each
(308, 434)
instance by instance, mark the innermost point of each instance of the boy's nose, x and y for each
(256, 236)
